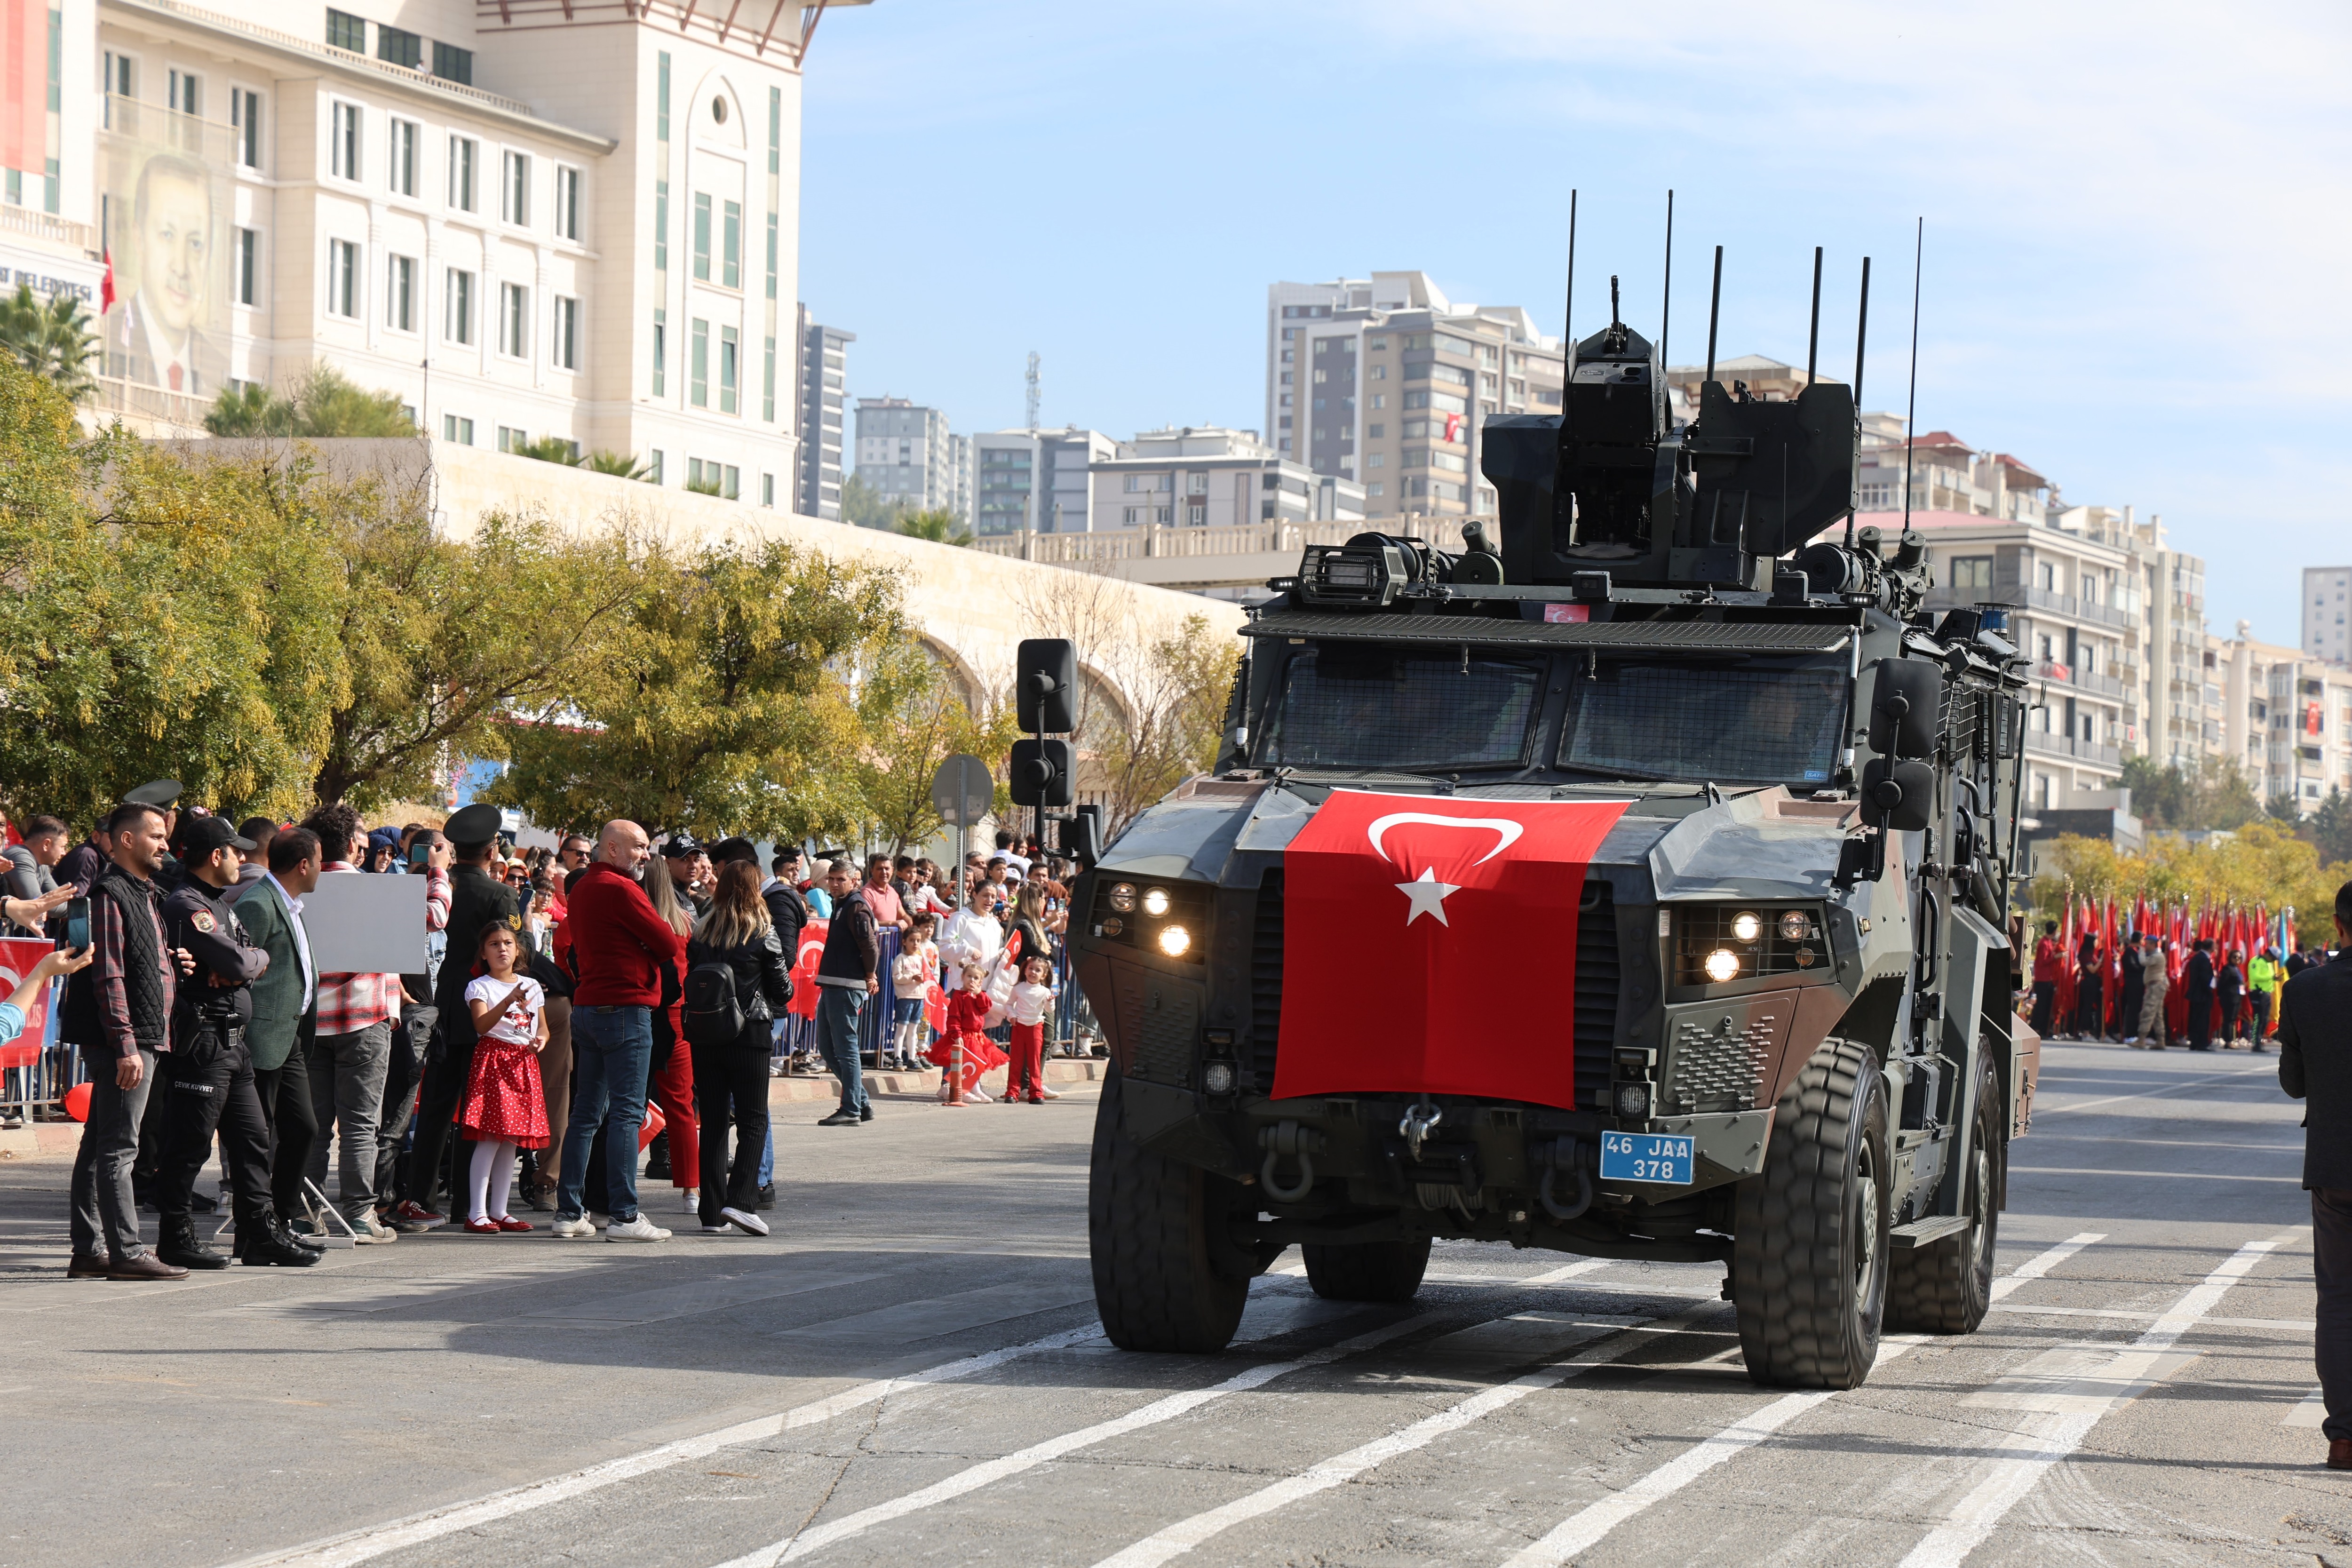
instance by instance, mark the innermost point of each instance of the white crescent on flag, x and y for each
(1510, 831)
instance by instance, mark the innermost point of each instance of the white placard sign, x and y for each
(362, 922)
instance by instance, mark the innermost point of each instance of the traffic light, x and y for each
(1044, 772)
(1046, 687)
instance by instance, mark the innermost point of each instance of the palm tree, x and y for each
(621, 465)
(52, 340)
(937, 525)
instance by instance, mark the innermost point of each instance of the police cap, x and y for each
(741, 849)
(475, 825)
(160, 793)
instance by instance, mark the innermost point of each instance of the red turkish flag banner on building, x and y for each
(1429, 946)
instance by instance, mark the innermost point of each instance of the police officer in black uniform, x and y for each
(208, 1075)
(476, 900)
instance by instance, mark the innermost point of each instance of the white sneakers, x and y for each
(750, 1223)
(693, 1196)
(638, 1229)
(573, 1229)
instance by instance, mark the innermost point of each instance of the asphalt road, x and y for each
(907, 1372)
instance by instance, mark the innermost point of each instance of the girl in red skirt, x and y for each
(505, 1108)
(963, 1051)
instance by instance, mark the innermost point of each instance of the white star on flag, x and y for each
(1428, 896)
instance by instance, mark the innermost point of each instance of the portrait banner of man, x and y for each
(165, 182)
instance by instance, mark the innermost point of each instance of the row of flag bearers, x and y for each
(2093, 969)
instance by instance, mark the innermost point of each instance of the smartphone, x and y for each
(76, 935)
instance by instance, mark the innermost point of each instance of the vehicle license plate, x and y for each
(1645, 1157)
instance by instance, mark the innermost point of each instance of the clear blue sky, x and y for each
(2137, 214)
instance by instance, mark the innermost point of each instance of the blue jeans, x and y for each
(838, 1012)
(610, 1055)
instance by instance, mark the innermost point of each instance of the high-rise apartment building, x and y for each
(2182, 709)
(961, 499)
(1035, 479)
(906, 455)
(1210, 477)
(823, 377)
(2286, 719)
(1387, 382)
(2326, 592)
(523, 220)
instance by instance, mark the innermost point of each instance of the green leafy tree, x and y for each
(912, 718)
(620, 465)
(250, 409)
(50, 338)
(938, 525)
(2330, 828)
(183, 626)
(446, 641)
(552, 449)
(863, 505)
(725, 702)
(1169, 728)
(2212, 795)
(2282, 810)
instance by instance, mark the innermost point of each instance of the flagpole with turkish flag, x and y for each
(1397, 910)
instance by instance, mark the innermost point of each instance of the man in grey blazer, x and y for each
(284, 1010)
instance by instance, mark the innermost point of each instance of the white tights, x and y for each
(493, 1179)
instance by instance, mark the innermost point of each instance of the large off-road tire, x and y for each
(1148, 1227)
(1808, 1247)
(1946, 1287)
(1374, 1271)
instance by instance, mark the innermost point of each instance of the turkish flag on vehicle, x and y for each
(1429, 945)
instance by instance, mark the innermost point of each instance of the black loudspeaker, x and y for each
(1045, 688)
(1044, 772)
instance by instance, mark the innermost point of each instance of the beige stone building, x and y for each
(2286, 719)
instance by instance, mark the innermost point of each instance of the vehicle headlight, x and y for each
(1122, 897)
(1217, 1078)
(1746, 926)
(1722, 965)
(1113, 926)
(1795, 926)
(1174, 941)
(1155, 900)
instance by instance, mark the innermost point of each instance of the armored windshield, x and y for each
(1359, 705)
(1778, 722)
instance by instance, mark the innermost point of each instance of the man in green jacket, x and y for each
(285, 1011)
(2261, 986)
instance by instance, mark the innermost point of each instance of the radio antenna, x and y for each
(1861, 340)
(1911, 411)
(1567, 313)
(1813, 334)
(1713, 309)
(1667, 305)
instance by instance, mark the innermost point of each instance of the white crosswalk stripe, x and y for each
(1186, 1534)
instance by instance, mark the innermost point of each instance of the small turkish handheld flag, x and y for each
(1429, 946)
(804, 963)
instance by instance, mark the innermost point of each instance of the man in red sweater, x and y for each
(618, 946)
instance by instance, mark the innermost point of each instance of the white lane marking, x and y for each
(2290, 1325)
(1185, 1534)
(2042, 1263)
(2144, 1176)
(1585, 1527)
(1576, 1270)
(1973, 1519)
(374, 1541)
(1588, 1525)
(972, 1478)
(2040, 1110)
(2311, 1412)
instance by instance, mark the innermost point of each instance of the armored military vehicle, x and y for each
(1633, 884)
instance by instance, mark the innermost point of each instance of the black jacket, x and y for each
(2316, 1067)
(764, 974)
(202, 919)
(853, 945)
(789, 912)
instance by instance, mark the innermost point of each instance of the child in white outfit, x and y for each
(912, 974)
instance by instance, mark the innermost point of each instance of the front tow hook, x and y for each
(1301, 1143)
(1565, 1155)
(1420, 1119)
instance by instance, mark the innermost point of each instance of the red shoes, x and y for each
(510, 1224)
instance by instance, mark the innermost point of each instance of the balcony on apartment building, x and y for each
(2074, 676)
(2056, 745)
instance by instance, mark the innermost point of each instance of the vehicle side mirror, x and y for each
(1905, 700)
(1900, 796)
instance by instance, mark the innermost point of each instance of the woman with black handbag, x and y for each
(738, 978)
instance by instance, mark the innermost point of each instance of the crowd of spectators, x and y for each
(590, 1014)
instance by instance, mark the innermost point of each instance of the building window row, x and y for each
(399, 47)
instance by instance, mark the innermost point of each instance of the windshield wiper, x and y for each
(1630, 773)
